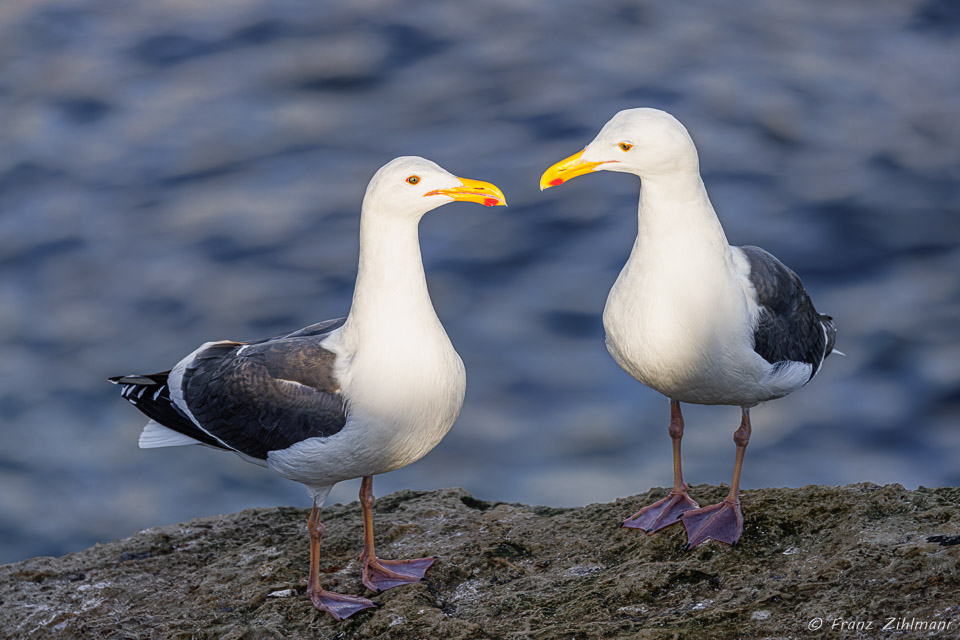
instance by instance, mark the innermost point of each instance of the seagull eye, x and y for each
(625, 146)
(413, 179)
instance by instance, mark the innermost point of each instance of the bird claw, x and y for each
(662, 513)
(722, 522)
(380, 575)
(339, 606)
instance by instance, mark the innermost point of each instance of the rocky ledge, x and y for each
(816, 555)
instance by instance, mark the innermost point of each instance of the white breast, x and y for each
(678, 321)
(403, 389)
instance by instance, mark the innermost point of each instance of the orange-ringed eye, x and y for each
(413, 179)
(626, 146)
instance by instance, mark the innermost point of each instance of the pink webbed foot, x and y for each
(338, 605)
(662, 513)
(380, 575)
(722, 522)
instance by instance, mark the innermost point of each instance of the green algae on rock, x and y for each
(861, 553)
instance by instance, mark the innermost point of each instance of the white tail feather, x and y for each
(839, 353)
(155, 435)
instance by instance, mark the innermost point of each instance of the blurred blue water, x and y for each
(177, 172)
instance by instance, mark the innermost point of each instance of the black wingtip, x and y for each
(830, 328)
(149, 379)
(134, 379)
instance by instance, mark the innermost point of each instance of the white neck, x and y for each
(677, 305)
(676, 210)
(391, 288)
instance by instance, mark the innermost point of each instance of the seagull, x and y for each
(692, 317)
(340, 399)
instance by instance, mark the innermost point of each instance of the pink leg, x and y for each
(663, 513)
(380, 575)
(723, 521)
(337, 605)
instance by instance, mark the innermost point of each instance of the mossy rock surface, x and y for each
(857, 553)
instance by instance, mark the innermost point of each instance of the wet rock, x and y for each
(858, 553)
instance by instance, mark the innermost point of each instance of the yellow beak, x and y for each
(566, 169)
(477, 191)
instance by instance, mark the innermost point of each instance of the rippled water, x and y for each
(175, 172)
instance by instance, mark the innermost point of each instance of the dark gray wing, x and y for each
(264, 397)
(318, 329)
(253, 398)
(789, 327)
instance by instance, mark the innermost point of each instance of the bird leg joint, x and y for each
(676, 420)
(367, 499)
(742, 435)
(676, 430)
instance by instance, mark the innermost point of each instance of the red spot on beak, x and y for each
(556, 182)
(489, 202)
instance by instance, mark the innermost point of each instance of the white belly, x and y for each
(400, 403)
(685, 332)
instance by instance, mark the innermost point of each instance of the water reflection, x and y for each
(175, 173)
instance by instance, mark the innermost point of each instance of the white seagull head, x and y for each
(410, 186)
(645, 142)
